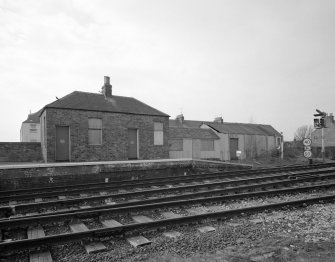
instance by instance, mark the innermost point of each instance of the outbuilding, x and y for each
(236, 140)
(196, 143)
(85, 126)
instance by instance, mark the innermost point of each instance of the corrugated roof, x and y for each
(33, 118)
(188, 132)
(229, 128)
(97, 102)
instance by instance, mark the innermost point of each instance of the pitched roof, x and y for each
(33, 118)
(185, 123)
(240, 128)
(188, 132)
(229, 128)
(97, 102)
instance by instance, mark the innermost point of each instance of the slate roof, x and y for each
(33, 118)
(96, 102)
(230, 128)
(185, 123)
(187, 132)
(248, 129)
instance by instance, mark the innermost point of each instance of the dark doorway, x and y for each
(62, 143)
(132, 144)
(233, 147)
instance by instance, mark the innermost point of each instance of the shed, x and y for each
(197, 143)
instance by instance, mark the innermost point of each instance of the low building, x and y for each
(196, 143)
(99, 127)
(30, 128)
(236, 140)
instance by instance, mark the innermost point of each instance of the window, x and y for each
(158, 134)
(33, 125)
(33, 130)
(94, 131)
(207, 145)
(176, 144)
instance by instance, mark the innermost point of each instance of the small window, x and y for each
(207, 145)
(158, 134)
(176, 144)
(33, 125)
(94, 131)
(33, 130)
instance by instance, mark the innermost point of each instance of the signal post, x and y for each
(320, 123)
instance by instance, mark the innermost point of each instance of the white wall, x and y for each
(30, 132)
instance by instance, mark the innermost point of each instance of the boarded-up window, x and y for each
(176, 145)
(207, 144)
(158, 134)
(94, 131)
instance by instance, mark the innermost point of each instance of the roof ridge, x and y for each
(81, 100)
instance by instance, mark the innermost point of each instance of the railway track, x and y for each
(212, 192)
(110, 185)
(13, 203)
(224, 186)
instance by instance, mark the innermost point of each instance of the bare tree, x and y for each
(303, 132)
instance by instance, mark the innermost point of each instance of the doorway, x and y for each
(62, 143)
(132, 144)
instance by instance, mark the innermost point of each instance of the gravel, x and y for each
(284, 235)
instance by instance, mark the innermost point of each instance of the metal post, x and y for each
(282, 146)
(323, 144)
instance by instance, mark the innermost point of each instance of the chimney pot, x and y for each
(180, 118)
(107, 81)
(107, 87)
(218, 120)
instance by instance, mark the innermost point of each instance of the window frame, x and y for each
(90, 128)
(158, 134)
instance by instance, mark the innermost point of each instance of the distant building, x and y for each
(30, 129)
(329, 138)
(250, 140)
(197, 143)
(101, 127)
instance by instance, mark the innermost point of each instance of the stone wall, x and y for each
(53, 174)
(20, 152)
(114, 135)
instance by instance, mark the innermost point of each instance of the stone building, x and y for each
(101, 127)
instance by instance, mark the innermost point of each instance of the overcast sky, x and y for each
(249, 61)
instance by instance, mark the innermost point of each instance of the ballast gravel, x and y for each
(299, 234)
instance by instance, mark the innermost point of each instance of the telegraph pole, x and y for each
(323, 144)
(282, 146)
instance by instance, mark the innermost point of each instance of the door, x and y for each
(62, 143)
(196, 148)
(233, 147)
(132, 144)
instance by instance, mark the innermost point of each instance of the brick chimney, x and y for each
(180, 118)
(218, 120)
(107, 87)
